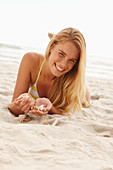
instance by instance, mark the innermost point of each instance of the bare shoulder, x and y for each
(33, 57)
(32, 60)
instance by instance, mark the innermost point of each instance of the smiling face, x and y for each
(62, 58)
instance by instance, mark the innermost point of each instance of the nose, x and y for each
(63, 63)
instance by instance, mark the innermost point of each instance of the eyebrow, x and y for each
(66, 55)
(63, 52)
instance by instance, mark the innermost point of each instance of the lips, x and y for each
(58, 68)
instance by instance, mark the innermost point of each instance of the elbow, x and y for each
(87, 95)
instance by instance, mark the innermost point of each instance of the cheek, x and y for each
(70, 66)
(53, 58)
(51, 61)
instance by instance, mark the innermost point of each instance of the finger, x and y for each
(32, 103)
(24, 102)
(14, 103)
(49, 106)
(34, 112)
(25, 107)
(42, 112)
(37, 112)
(27, 110)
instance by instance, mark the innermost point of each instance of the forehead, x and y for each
(69, 48)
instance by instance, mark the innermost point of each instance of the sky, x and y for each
(27, 22)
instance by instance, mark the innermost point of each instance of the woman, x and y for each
(56, 80)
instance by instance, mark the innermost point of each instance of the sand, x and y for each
(84, 142)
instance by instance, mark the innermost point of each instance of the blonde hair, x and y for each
(68, 90)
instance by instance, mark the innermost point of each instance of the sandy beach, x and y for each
(84, 142)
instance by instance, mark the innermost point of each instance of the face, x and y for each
(62, 58)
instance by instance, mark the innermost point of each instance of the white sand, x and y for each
(84, 142)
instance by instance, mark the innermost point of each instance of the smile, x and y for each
(58, 68)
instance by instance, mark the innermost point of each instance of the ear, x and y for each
(50, 35)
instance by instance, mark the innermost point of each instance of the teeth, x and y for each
(59, 68)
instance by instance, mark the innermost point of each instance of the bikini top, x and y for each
(33, 89)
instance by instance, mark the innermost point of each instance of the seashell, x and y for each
(34, 107)
(41, 107)
(24, 118)
(45, 121)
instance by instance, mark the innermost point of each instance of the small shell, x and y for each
(24, 118)
(41, 107)
(45, 121)
(34, 107)
(86, 105)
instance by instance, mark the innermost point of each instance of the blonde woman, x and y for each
(55, 81)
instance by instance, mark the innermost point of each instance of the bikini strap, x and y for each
(40, 71)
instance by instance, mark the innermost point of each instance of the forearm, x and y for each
(15, 110)
(54, 110)
(87, 93)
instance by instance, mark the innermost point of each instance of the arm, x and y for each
(54, 110)
(87, 94)
(22, 83)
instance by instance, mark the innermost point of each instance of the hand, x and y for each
(23, 102)
(47, 105)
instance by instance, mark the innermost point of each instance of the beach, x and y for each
(82, 142)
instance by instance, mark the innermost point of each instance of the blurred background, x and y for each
(26, 23)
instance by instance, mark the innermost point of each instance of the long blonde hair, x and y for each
(68, 90)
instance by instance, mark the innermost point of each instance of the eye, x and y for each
(61, 54)
(72, 61)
